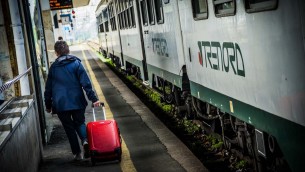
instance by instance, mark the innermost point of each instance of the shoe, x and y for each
(86, 149)
(78, 157)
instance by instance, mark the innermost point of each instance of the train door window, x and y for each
(114, 23)
(133, 21)
(106, 26)
(150, 11)
(159, 11)
(131, 13)
(144, 12)
(114, 17)
(119, 20)
(129, 17)
(102, 28)
(260, 5)
(200, 9)
(224, 7)
(123, 20)
(126, 19)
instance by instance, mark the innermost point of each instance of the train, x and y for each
(236, 65)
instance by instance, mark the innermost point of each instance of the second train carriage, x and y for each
(245, 59)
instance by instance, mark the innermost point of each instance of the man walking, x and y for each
(64, 96)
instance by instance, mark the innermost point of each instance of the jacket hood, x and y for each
(65, 59)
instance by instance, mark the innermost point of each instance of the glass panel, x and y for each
(126, 19)
(144, 12)
(106, 26)
(132, 17)
(159, 11)
(224, 7)
(150, 12)
(200, 9)
(260, 5)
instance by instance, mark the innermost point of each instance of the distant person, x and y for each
(60, 38)
(64, 96)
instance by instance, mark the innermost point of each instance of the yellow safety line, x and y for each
(126, 163)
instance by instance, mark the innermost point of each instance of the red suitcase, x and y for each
(104, 139)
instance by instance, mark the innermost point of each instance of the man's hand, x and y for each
(96, 104)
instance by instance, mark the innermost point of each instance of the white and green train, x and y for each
(238, 65)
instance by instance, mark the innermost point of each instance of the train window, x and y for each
(260, 5)
(129, 17)
(224, 7)
(126, 19)
(144, 12)
(121, 20)
(159, 11)
(150, 12)
(200, 9)
(102, 28)
(132, 17)
(106, 26)
(113, 24)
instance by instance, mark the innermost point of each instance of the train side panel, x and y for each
(249, 59)
(251, 65)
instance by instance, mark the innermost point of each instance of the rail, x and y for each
(12, 110)
(9, 83)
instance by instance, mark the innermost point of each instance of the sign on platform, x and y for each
(60, 4)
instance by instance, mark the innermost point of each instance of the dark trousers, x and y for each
(74, 124)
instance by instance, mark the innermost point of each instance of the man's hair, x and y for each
(61, 48)
(60, 38)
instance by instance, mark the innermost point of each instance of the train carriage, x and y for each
(247, 59)
(238, 66)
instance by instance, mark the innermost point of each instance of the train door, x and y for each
(115, 35)
(148, 23)
(162, 38)
(108, 37)
(107, 34)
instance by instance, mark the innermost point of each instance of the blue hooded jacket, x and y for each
(66, 81)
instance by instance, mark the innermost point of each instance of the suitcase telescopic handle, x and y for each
(104, 112)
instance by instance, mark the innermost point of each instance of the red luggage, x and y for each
(104, 139)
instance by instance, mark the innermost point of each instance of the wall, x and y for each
(22, 148)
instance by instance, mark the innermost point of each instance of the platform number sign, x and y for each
(60, 4)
